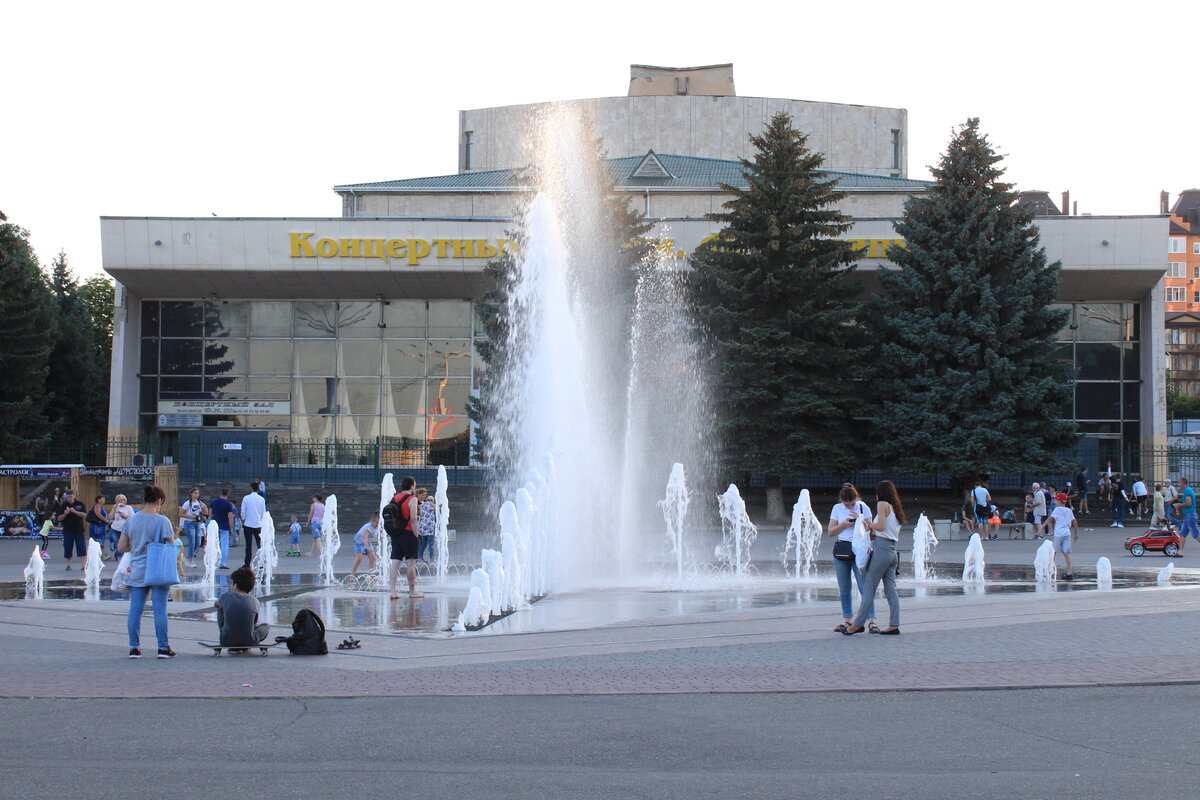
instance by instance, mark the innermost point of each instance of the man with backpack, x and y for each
(398, 518)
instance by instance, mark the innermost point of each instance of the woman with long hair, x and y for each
(140, 530)
(841, 528)
(889, 516)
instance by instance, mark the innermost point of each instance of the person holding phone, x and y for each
(841, 526)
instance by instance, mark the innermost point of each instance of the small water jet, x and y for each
(1045, 570)
(35, 575)
(804, 535)
(1164, 575)
(973, 563)
(925, 541)
(267, 558)
(383, 542)
(1104, 576)
(737, 532)
(674, 510)
(493, 564)
(92, 568)
(212, 558)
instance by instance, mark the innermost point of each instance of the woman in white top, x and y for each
(841, 527)
(116, 521)
(889, 516)
(191, 517)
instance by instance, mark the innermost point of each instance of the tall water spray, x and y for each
(441, 536)
(804, 535)
(92, 568)
(267, 558)
(598, 371)
(331, 542)
(35, 575)
(1104, 578)
(738, 532)
(1044, 568)
(925, 541)
(674, 510)
(212, 558)
(383, 543)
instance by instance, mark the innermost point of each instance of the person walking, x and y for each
(1186, 509)
(191, 517)
(253, 508)
(1159, 515)
(399, 516)
(142, 529)
(841, 527)
(1139, 496)
(1065, 524)
(316, 518)
(1120, 501)
(116, 521)
(881, 566)
(983, 501)
(1170, 495)
(1081, 486)
(426, 526)
(97, 519)
(222, 514)
(72, 515)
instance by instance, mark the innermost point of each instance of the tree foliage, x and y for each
(98, 295)
(78, 406)
(27, 328)
(967, 377)
(777, 301)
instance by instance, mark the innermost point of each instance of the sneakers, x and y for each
(223, 566)
(45, 555)
(135, 653)
(190, 564)
(1119, 525)
(168, 653)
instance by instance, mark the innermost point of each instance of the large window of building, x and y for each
(1175, 294)
(357, 370)
(1176, 244)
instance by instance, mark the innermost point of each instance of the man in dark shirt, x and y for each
(71, 514)
(222, 513)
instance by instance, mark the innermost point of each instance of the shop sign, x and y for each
(135, 473)
(225, 407)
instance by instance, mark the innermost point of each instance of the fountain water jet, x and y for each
(212, 558)
(267, 558)
(674, 510)
(804, 535)
(925, 541)
(737, 531)
(35, 575)
(973, 563)
(1164, 575)
(1104, 578)
(1045, 570)
(441, 537)
(92, 568)
(331, 542)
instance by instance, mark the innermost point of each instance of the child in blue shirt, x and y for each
(363, 545)
(294, 538)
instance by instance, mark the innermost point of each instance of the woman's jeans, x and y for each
(97, 532)
(1118, 510)
(881, 568)
(137, 604)
(843, 570)
(192, 529)
(224, 537)
(425, 545)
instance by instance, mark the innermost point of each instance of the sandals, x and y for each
(841, 628)
(350, 644)
(872, 627)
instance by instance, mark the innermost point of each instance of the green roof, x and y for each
(686, 172)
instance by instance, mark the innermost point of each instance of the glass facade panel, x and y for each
(148, 395)
(362, 395)
(150, 318)
(359, 319)
(176, 386)
(1132, 362)
(449, 357)
(180, 357)
(312, 427)
(406, 396)
(316, 358)
(411, 428)
(1107, 322)
(356, 427)
(224, 319)
(271, 357)
(225, 356)
(360, 357)
(447, 396)
(182, 318)
(316, 320)
(1098, 401)
(405, 319)
(1098, 361)
(315, 396)
(270, 388)
(270, 319)
(149, 359)
(1132, 400)
(275, 421)
(405, 358)
(225, 387)
(450, 319)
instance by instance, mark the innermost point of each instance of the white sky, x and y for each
(259, 108)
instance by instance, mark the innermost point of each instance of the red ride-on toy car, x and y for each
(1161, 539)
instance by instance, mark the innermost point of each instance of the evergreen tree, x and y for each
(776, 299)
(98, 295)
(78, 407)
(968, 380)
(26, 331)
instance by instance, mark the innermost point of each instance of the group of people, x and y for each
(882, 562)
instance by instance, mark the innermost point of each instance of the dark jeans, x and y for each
(425, 546)
(252, 540)
(1118, 510)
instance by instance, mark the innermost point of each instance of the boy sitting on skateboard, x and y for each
(237, 612)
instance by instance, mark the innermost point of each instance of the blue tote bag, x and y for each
(160, 562)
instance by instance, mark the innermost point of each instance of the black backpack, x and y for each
(308, 635)
(394, 520)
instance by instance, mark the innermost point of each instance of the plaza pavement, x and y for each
(990, 641)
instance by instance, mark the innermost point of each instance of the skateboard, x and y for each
(261, 647)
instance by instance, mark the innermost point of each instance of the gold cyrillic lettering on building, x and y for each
(417, 249)
(351, 248)
(396, 248)
(300, 246)
(327, 248)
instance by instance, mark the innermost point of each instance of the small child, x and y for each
(294, 537)
(363, 545)
(179, 552)
(994, 522)
(237, 612)
(45, 534)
